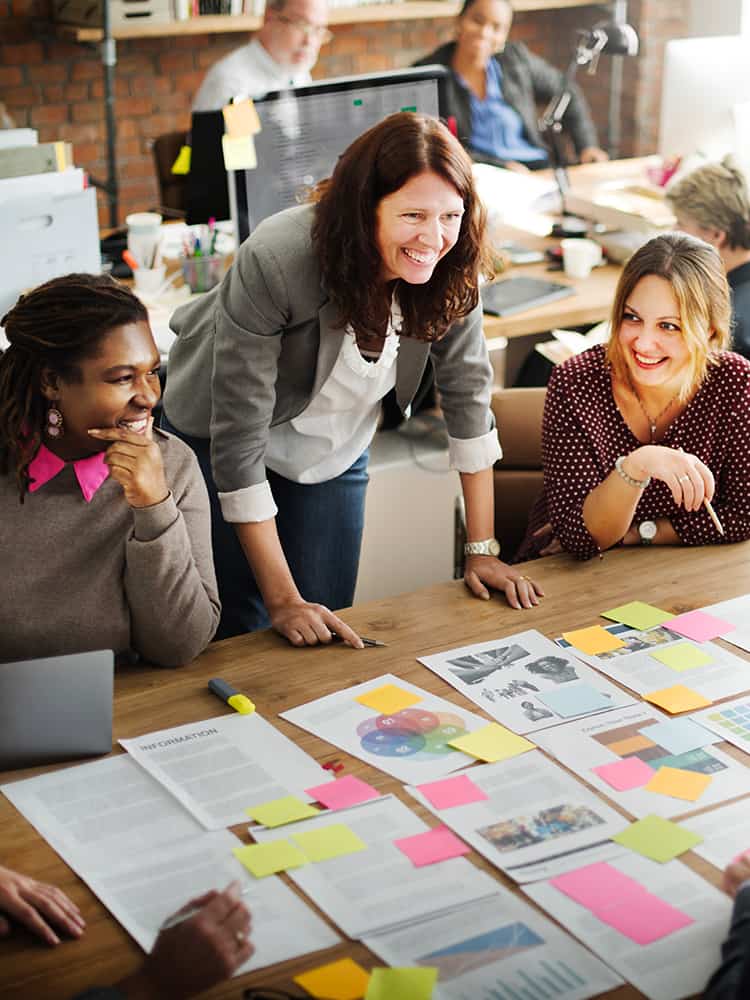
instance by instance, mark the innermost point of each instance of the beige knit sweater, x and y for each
(76, 576)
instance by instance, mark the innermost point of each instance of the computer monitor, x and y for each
(303, 132)
(706, 81)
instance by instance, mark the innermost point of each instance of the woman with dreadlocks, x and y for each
(104, 520)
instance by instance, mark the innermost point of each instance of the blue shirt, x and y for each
(496, 127)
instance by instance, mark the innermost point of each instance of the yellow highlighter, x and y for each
(239, 702)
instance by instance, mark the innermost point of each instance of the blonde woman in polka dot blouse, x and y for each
(639, 432)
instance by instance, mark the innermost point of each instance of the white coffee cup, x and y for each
(144, 229)
(148, 280)
(579, 256)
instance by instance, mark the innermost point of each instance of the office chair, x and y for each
(172, 187)
(518, 475)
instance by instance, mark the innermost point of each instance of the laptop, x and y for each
(57, 708)
(513, 295)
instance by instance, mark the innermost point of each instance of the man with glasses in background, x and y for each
(279, 56)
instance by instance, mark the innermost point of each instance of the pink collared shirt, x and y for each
(90, 472)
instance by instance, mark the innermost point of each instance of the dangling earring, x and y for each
(54, 426)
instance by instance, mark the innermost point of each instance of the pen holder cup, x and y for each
(203, 273)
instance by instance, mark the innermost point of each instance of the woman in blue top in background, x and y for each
(494, 88)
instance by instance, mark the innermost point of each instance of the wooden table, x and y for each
(278, 677)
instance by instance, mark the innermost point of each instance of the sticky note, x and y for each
(241, 119)
(648, 920)
(402, 984)
(699, 626)
(679, 784)
(328, 842)
(657, 838)
(239, 152)
(342, 980)
(680, 735)
(593, 640)
(281, 811)
(574, 699)
(181, 165)
(458, 790)
(432, 846)
(388, 699)
(491, 743)
(632, 744)
(343, 792)
(677, 698)
(682, 656)
(598, 886)
(265, 859)
(638, 615)
(623, 775)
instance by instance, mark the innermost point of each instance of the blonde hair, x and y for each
(716, 197)
(696, 275)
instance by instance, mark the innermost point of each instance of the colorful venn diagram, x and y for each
(412, 732)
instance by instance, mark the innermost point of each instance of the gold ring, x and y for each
(522, 578)
(684, 479)
(240, 937)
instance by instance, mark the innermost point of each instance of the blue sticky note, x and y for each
(679, 735)
(575, 699)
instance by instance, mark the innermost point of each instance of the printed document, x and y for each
(737, 612)
(725, 832)
(219, 767)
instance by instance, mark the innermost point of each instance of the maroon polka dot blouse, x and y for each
(584, 433)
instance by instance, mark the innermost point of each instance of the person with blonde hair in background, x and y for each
(713, 203)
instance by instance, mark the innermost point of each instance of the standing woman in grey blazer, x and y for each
(276, 377)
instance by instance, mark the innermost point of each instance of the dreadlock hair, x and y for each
(55, 327)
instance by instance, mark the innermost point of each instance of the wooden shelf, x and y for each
(412, 10)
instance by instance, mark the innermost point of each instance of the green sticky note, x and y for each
(402, 984)
(281, 811)
(682, 656)
(491, 743)
(329, 842)
(265, 859)
(637, 614)
(657, 838)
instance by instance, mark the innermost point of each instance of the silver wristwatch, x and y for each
(647, 532)
(487, 547)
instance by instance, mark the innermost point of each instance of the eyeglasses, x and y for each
(307, 30)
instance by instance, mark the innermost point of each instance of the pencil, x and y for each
(712, 515)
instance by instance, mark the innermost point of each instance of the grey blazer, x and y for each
(253, 352)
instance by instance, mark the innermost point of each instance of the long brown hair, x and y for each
(695, 272)
(55, 327)
(375, 165)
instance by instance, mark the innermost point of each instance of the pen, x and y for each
(179, 918)
(239, 702)
(368, 642)
(713, 516)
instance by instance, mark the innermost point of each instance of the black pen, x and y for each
(335, 637)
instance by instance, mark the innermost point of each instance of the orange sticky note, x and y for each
(388, 699)
(679, 784)
(241, 118)
(593, 640)
(677, 698)
(342, 980)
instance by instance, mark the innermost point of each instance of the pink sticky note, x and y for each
(699, 626)
(598, 886)
(456, 791)
(433, 846)
(646, 920)
(630, 772)
(343, 792)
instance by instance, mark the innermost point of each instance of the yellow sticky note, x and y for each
(593, 640)
(388, 699)
(491, 743)
(677, 698)
(402, 984)
(638, 615)
(342, 980)
(265, 859)
(281, 811)
(682, 656)
(329, 842)
(679, 784)
(182, 164)
(241, 118)
(239, 152)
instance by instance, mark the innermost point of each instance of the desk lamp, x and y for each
(606, 38)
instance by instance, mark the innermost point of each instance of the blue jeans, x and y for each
(320, 528)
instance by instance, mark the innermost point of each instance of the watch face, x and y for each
(494, 547)
(647, 530)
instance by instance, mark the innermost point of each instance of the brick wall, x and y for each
(56, 86)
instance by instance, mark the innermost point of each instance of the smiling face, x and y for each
(416, 227)
(654, 350)
(483, 29)
(119, 387)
